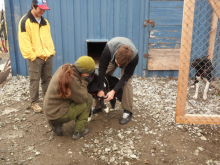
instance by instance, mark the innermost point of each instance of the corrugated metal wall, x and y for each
(74, 21)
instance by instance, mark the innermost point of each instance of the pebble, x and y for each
(203, 138)
(37, 153)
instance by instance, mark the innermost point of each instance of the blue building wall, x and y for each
(166, 34)
(75, 21)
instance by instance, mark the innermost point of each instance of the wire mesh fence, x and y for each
(199, 71)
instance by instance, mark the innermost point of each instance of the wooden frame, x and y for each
(216, 6)
(185, 53)
(212, 35)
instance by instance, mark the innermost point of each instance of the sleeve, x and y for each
(79, 92)
(103, 65)
(129, 71)
(24, 39)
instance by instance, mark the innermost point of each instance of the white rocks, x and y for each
(196, 152)
(27, 112)
(120, 136)
(16, 89)
(112, 159)
(203, 138)
(133, 156)
(103, 158)
(96, 141)
(154, 101)
(180, 126)
(199, 134)
(200, 148)
(107, 149)
(37, 153)
(8, 110)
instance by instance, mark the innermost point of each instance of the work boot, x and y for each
(78, 135)
(58, 129)
(35, 106)
(94, 111)
(127, 115)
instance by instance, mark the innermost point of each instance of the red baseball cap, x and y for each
(42, 4)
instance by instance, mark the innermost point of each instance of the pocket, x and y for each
(34, 75)
(34, 69)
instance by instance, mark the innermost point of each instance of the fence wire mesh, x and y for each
(199, 73)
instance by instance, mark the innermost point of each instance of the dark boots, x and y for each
(78, 135)
(127, 115)
(58, 129)
(96, 111)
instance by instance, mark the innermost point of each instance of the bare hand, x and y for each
(110, 95)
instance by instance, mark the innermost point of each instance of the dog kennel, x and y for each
(200, 37)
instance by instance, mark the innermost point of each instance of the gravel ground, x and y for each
(152, 137)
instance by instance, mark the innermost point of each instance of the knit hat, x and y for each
(85, 64)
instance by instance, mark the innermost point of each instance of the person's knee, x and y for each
(34, 76)
(89, 101)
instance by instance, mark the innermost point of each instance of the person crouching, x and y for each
(67, 97)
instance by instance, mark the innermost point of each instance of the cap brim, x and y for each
(43, 7)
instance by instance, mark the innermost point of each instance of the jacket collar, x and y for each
(76, 72)
(32, 18)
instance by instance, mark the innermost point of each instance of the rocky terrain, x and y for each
(152, 137)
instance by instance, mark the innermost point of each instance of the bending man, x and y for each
(118, 52)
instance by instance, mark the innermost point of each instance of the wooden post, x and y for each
(185, 52)
(212, 35)
(216, 6)
(199, 119)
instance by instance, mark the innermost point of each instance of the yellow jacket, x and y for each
(35, 39)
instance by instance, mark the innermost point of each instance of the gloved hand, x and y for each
(88, 78)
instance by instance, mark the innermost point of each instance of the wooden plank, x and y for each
(164, 34)
(212, 35)
(163, 59)
(169, 22)
(166, 4)
(185, 52)
(166, 51)
(164, 40)
(164, 46)
(198, 119)
(166, 28)
(166, 16)
(216, 6)
(166, 10)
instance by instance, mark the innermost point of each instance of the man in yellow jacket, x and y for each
(36, 45)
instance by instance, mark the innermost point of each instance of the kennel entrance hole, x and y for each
(95, 49)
